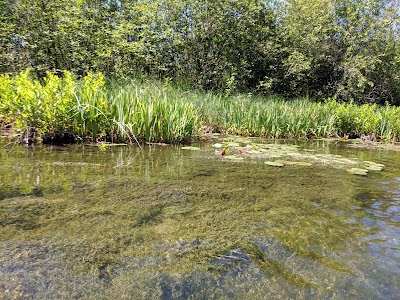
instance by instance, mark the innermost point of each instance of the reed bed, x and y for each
(274, 117)
(92, 108)
(151, 112)
(155, 111)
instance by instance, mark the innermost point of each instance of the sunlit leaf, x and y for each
(274, 163)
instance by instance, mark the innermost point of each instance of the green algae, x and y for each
(133, 220)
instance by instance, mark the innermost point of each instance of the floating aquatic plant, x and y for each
(373, 166)
(291, 155)
(358, 171)
(298, 163)
(225, 151)
(274, 163)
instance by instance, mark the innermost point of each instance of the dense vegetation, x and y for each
(348, 49)
(165, 112)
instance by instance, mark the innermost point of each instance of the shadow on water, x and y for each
(167, 223)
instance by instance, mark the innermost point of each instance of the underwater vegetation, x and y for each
(173, 222)
(280, 155)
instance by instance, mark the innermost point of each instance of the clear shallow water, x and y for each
(167, 223)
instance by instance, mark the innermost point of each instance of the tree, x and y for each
(321, 48)
(370, 43)
(310, 49)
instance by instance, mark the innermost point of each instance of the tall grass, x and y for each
(273, 117)
(157, 111)
(89, 108)
(151, 112)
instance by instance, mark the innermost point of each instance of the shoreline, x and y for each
(15, 137)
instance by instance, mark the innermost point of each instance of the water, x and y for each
(167, 223)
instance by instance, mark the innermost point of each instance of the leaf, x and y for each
(371, 163)
(374, 168)
(298, 163)
(358, 171)
(274, 163)
(232, 144)
(253, 152)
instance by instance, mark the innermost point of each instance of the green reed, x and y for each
(151, 112)
(270, 117)
(275, 117)
(88, 107)
(156, 111)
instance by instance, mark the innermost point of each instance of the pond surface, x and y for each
(164, 222)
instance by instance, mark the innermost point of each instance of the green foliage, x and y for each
(348, 49)
(6, 97)
(370, 44)
(150, 112)
(308, 48)
(161, 112)
(91, 106)
(30, 103)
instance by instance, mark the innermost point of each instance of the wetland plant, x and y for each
(154, 111)
(88, 109)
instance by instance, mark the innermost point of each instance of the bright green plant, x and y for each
(91, 107)
(165, 112)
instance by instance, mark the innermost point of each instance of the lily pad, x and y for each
(190, 148)
(298, 163)
(374, 168)
(371, 163)
(274, 163)
(293, 154)
(358, 171)
(379, 165)
(274, 155)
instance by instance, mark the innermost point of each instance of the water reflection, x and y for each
(165, 223)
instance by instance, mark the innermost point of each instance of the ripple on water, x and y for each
(168, 224)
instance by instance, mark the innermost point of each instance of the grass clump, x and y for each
(156, 111)
(89, 108)
(151, 112)
(300, 118)
(273, 117)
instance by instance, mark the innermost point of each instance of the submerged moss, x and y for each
(129, 220)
